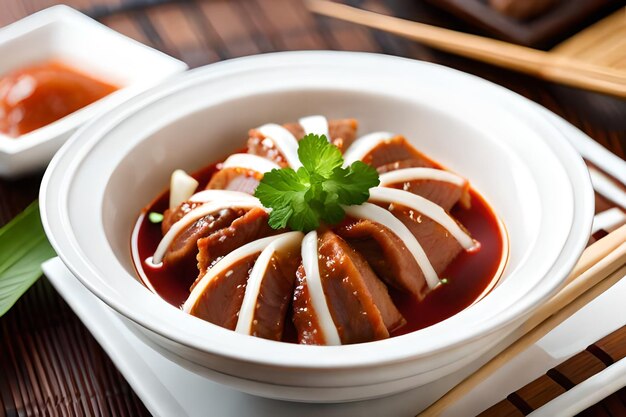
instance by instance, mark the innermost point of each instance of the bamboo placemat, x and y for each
(49, 363)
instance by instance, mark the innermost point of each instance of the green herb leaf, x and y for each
(283, 191)
(319, 189)
(318, 156)
(352, 184)
(23, 248)
(155, 217)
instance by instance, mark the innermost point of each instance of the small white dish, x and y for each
(63, 33)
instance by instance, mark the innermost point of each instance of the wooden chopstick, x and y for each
(541, 64)
(599, 250)
(600, 267)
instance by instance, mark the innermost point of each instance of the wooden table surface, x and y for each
(49, 363)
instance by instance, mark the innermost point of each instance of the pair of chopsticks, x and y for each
(545, 65)
(601, 266)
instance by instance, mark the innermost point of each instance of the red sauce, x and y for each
(469, 275)
(38, 95)
(171, 283)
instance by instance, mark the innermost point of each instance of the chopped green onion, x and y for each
(155, 217)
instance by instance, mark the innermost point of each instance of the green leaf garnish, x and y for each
(23, 248)
(302, 199)
(155, 217)
(318, 156)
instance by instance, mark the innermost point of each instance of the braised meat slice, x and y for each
(348, 277)
(251, 226)
(397, 149)
(172, 215)
(357, 300)
(438, 244)
(220, 301)
(386, 254)
(235, 179)
(184, 247)
(275, 296)
(444, 194)
(342, 133)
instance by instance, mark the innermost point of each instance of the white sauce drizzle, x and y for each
(286, 143)
(210, 195)
(249, 161)
(425, 207)
(377, 214)
(253, 287)
(317, 125)
(182, 186)
(195, 214)
(412, 174)
(363, 145)
(223, 265)
(316, 291)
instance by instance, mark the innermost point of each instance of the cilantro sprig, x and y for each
(316, 192)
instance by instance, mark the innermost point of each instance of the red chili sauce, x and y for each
(469, 275)
(38, 95)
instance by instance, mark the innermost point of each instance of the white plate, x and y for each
(63, 33)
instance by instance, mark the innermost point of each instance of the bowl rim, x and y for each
(576, 241)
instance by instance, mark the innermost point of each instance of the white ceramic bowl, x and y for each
(96, 186)
(63, 33)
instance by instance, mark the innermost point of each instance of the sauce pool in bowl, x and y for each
(468, 278)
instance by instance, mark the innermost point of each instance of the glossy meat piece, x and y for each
(442, 193)
(342, 133)
(251, 226)
(171, 216)
(274, 296)
(184, 247)
(235, 179)
(397, 149)
(440, 247)
(404, 163)
(304, 315)
(358, 301)
(386, 254)
(345, 272)
(221, 300)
